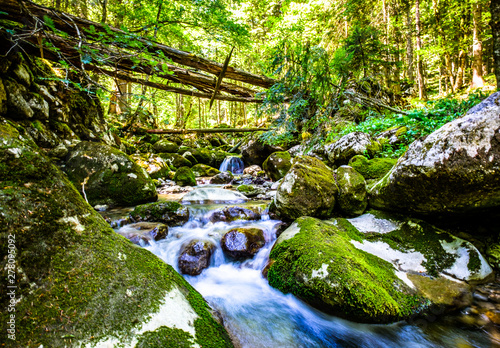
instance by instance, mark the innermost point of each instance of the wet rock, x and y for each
(108, 176)
(184, 176)
(250, 190)
(350, 145)
(277, 165)
(144, 231)
(169, 213)
(222, 178)
(213, 194)
(241, 243)
(204, 170)
(308, 189)
(353, 197)
(195, 256)
(229, 214)
(165, 145)
(451, 171)
(247, 179)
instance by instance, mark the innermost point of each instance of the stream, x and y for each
(257, 315)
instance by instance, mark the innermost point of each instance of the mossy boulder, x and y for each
(165, 145)
(155, 166)
(451, 171)
(202, 155)
(195, 256)
(277, 165)
(78, 282)
(189, 156)
(184, 176)
(169, 213)
(204, 170)
(108, 176)
(175, 160)
(374, 168)
(308, 189)
(242, 242)
(374, 273)
(350, 145)
(353, 197)
(250, 190)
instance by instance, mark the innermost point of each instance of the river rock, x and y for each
(253, 170)
(373, 269)
(308, 188)
(204, 170)
(353, 197)
(277, 165)
(73, 270)
(184, 176)
(202, 155)
(108, 176)
(229, 214)
(155, 166)
(169, 213)
(144, 231)
(374, 168)
(254, 151)
(243, 242)
(222, 178)
(195, 256)
(451, 171)
(189, 156)
(165, 145)
(214, 195)
(350, 145)
(250, 190)
(175, 160)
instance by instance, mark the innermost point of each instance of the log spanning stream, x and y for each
(257, 315)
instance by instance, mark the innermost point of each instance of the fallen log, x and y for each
(212, 130)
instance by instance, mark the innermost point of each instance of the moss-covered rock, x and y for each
(170, 213)
(108, 176)
(451, 171)
(165, 145)
(350, 145)
(202, 155)
(353, 197)
(242, 242)
(184, 176)
(308, 188)
(155, 166)
(250, 190)
(175, 160)
(277, 165)
(204, 170)
(189, 156)
(374, 168)
(78, 282)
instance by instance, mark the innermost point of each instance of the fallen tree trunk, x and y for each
(213, 130)
(26, 11)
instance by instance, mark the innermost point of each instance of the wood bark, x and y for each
(409, 44)
(477, 46)
(495, 30)
(420, 70)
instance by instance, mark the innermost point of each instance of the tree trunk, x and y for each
(495, 30)
(459, 81)
(420, 70)
(409, 45)
(477, 47)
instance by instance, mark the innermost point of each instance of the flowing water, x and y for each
(260, 316)
(233, 164)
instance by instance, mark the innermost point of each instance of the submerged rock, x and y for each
(195, 256)
(353, 197)
(243, 242)
(78, 282)
(184, 176)
(106, 175)
(308, 188)
(277, 165)
(453, 170)
(144, 231)
(213, 194)
(170, 213)
(229, 214)
(375, 268)
(350, 145)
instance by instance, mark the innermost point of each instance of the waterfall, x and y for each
(233, 164)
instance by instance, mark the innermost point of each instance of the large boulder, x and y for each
(277, 165)
(195, 256)
(242, 242)
(165, 145)
(308, 188)
(184, 176)
(78, 283)
(155, 166)
(375, 270)
(350, 145)
(451, 171)
(108, 176)
(254, 151)
(175, 160)
(169, 213)
(353, 197)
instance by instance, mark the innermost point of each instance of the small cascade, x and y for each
(233, 164)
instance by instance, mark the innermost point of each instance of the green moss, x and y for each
(245, 188)
(184, 176)
(474, 264)
(354, 284)
(165, 337)
(175, 160)
(277, 165)
(374, 168)
(204, 170)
